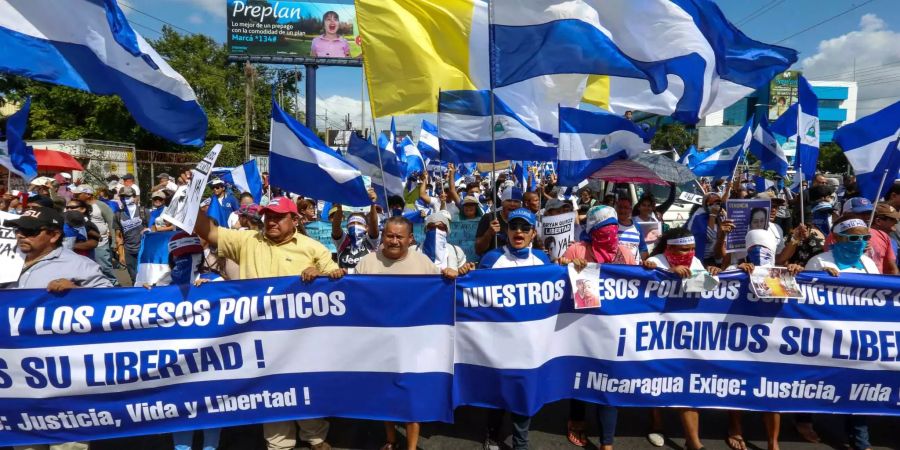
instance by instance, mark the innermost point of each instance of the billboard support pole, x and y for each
(311, 96)
(248, 104)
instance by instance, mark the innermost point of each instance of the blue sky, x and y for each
(868, 35)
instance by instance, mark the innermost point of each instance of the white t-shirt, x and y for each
(233, 219)
(663, 263)
(825, 260)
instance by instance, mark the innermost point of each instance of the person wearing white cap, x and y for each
(436, 247)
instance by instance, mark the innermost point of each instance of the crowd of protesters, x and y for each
(75, 235)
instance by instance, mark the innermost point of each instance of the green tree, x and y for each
(59, 112)
(672, 135)
(832, 159)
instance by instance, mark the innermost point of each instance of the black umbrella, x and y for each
(666, 168)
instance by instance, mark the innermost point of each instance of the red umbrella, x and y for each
(628, 171)
(52, 160)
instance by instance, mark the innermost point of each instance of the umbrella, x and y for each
(666, 168)
(628, 171)
(52, 160)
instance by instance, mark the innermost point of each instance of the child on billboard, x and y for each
(330, 44)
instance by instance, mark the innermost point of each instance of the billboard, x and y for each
(313, 30)
(782, 93)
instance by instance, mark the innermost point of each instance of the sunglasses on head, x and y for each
(29, 232)
(856, 237)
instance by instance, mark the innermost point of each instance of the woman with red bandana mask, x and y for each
(674, 252)
(599, 244)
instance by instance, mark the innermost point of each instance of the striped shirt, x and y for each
(630, 238)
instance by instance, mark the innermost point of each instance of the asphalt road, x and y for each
(548, 432)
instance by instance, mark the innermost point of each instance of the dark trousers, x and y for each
(131, 263)
(520, 428)
(607, 416)
(857, 432)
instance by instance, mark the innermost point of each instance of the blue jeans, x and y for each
(607, 416)
(857, 432)
(103, 258)
(519, 432)
(183, 439)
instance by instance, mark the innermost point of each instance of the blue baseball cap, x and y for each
(524, 214)
(857, 205)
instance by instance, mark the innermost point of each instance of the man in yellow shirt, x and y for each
(278, 250)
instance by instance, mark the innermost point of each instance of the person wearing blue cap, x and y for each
(514, 252)
(491, 232)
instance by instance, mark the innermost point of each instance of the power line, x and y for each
(157, 18)
(826, 20)
(759, 12)
(869, 70)
(878, 98)
(150, 29)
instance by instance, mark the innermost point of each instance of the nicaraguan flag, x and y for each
(389, 142)
(465, 132)
(386, 174)
(870, 144)
(89, 45)
(153, 258)
(721, 161)
(589, 141)
(15, 154)
(808, 122)
(786, 124)
(414, 161)
(679, 58)
(300, 162)
(428, 141)
(762, 184)
(765, 147)
(217, 211)
(245, 177)
(688, 156)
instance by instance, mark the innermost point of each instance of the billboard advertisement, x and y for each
(782, 93)
(318, 30)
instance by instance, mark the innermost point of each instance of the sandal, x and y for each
(576, 434)
(736, 442)
(390, 446)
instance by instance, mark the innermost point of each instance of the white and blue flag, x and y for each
(153, 258)
(414, 161)
(870, 144)
(300, 162)
(15, 154)
(244, 177)
(428, 141)
(385, 175)
(389, 142)
(687, 158)
(465, 132)
(89, 45)
(721, 160)
(808, 123)
(589, 141)
(765, 147)
(679, 58)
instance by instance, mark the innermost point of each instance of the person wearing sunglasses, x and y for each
(879, 249)
(848, 252)
(48, 265)
(516, 252)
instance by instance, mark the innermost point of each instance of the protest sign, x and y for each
(141, 361)
(182, 210)
(585, 286)
(321, 231)
(556, 233)
(461, 234)
(746, 215)
(832, 350)
(11, 259)
(691, 198)
(774, 282)
(650, 231)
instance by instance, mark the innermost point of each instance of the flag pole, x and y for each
(875, 200)
(802, 208)
(493, 137)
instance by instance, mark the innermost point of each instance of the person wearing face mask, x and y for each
(442, 253)
(599, 244)
(761, 250)
(675, 252)
(783, 215)
(848, 254)
(354, 243)
(131, 223)
(704, 226)
(81, 236)
(879, 247)
(514, 251)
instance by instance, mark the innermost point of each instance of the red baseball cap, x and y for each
(280, 205)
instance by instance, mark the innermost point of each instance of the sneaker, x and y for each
(321, 446)
(490, 444)
(656, 439)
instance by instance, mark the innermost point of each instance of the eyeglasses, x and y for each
(526, 227)
(29, 232)
(71, 207)
(856, 237)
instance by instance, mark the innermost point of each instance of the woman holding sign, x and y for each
(675, 252)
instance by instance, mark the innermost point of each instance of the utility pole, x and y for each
(249, 78)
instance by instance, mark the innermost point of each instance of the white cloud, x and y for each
(873, 51)
(196, 19)
(214, 7)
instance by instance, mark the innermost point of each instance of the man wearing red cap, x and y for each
(277, 250)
